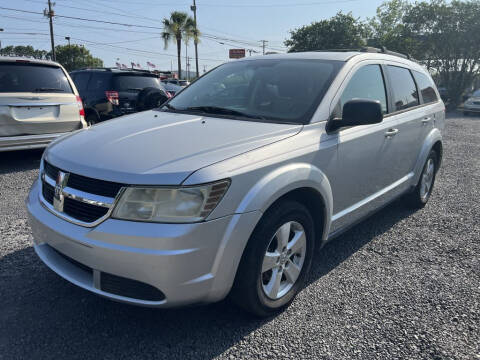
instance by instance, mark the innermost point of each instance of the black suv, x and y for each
(107, 93)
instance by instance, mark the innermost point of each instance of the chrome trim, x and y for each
(81, 196)
(88, 198)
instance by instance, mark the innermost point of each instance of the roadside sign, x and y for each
(236, 53)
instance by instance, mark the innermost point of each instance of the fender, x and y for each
(283, 180)
(430, 140)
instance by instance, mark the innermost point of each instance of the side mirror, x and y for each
(358, 112)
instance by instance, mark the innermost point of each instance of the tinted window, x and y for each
(366, 83)
(81, 80)
(20, 77)
(135, 82)
(266, 89)
(99, 82)
(404, 90)
(426, 86)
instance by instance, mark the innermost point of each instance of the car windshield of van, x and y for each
(276, 90)
(37, 78)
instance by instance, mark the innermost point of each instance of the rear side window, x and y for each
(99, 82)
(405, 93)
(366, 83)
(426, 87)
(132, 82)
(21, 77)
(81, 81)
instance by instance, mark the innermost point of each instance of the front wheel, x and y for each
(276, 260)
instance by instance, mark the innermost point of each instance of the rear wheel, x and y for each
(419, 197)
(276, 260)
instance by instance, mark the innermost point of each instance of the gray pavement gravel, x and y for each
(402, 284)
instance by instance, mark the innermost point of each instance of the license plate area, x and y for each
(34, 113)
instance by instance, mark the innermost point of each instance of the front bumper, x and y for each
(470, 108)
(24, 142)
(187, 263)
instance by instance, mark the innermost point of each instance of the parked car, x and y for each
(472, 104)
(211, 194)
(177, 82)
(110, 92)
(38, 103)
(172, 89)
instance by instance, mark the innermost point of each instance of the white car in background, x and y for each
(38, 103)
(472, 105)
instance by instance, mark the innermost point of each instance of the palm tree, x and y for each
(179, 26)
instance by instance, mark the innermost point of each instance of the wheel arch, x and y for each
(432, 141)
(300, 181)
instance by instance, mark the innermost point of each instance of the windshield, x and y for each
(476, 93)
(286, 91)
(135, 82)
(21, 77)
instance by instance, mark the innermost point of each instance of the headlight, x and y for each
(170, 205)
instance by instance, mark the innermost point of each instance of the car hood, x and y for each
(161, 148)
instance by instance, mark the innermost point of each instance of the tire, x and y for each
(252, 283)
(150, 98)
(419, 197)
(91, 119)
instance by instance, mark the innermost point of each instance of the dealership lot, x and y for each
(402, 284)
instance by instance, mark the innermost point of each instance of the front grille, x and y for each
(77, 209)
(129, 288)
(86, 184)
(47, 192)
(476, 103)
(83, 211)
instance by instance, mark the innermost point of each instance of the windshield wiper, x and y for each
(222, 111)
(45, 89)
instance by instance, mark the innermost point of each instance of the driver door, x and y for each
(365, 152)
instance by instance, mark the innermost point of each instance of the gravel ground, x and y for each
(400, 285)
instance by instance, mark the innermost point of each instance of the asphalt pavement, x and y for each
(402, 284)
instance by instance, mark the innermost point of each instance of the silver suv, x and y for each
(38, 103)
(229, 187)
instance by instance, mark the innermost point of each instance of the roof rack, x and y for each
(369, 49)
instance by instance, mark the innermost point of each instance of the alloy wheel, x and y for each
(283, 260)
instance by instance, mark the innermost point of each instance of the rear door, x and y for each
(36, 99)
(409, 118)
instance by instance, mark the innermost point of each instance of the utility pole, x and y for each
(188, 68)
(194, 9)
(264, 44)
(186, 57)
(50, 15)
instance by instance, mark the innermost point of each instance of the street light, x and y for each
(1, 40)
(68, 38)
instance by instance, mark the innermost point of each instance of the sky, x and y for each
(224, 24)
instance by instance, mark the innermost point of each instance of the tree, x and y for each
(388, 29)
(445, 37)
(342, 31)
(24, 51)
(74, 57)
(179, 26)
(448, 40)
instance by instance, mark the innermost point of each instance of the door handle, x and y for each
(391, 132)
(426, 120)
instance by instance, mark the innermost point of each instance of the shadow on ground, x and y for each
(44, 316)
(15, 161)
